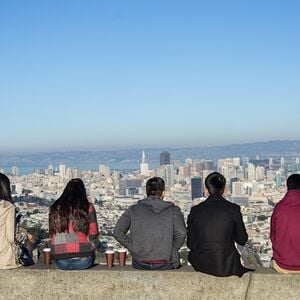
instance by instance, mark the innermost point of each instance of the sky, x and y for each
(108, 74)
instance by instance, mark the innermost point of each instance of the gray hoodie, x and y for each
(157, 230)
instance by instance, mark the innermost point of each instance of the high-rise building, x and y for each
(130, 187)
(144, 167)
(15, 171)
(62, 170)
(196, 187)
(165, 158)
(251, 172)
(237, 188)
(170, 174)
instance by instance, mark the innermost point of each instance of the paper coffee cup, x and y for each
(109, 254)
(47, 256)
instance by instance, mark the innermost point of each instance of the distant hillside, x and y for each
(77, 158)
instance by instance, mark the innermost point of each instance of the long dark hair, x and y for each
(5, 192)
(72, 205)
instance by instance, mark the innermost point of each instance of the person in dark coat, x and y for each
(214, 226)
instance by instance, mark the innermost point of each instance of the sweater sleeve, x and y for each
(179, 228)
(240, 234)
(121, 229)
(273, 227)
(93, 225)
(11, 225)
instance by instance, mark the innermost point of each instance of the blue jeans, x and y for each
(76, 263)
(149, 266)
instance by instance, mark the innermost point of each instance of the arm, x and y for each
(121, 229)
(11, 225)
(190, 235)
(239, 233)
(273, 227)
(93, 225)
(179, 233)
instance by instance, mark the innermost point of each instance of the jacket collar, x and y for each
(215, 197)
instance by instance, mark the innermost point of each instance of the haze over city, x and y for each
(132, 74)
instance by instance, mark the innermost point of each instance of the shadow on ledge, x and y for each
(36, 282)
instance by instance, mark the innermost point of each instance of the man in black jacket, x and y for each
(213, 227)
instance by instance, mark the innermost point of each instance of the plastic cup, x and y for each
(47, 256)
(109, 254)
(122, 257)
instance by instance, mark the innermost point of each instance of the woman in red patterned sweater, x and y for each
(73, 228)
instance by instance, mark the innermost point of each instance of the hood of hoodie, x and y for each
(291, 198)
(4, 206)
(156, 204)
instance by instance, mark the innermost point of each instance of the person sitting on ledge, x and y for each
(73, 228)
(285, 233)
(8, 255)
(213, 227)
(157, 230)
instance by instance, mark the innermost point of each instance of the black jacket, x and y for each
(213, 227)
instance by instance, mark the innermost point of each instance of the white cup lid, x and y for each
(109, 252)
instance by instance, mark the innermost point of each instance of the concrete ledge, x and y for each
(127, 283)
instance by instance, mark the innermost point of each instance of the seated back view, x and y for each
(285, 229)
(7, 226)
(213, 227)
(73, 228)
(157, 230)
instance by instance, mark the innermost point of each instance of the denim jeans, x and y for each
(149, 266)
(76, 263)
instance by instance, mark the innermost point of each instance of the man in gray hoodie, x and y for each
(157, 230)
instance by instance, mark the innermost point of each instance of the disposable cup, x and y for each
(109, 254)
(122, 257)
(47, 256)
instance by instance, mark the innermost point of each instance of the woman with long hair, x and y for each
(73, 228)
(7, 226)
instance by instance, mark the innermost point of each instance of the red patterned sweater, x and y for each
(76, 244)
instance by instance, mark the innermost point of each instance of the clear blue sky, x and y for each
(130, 74)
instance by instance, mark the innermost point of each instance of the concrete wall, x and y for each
(126, 283)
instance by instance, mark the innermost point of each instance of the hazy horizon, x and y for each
(126, 75)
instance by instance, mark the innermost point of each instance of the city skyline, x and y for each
(115, 75)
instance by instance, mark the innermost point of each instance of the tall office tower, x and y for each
(232, 180)
(69, 173)
(245, 162)
(116, 177)
(76, 173)
(144, 167)
(251, 172)
(237, 188)
(297, 164)
(50, 170)
(15, 171)
(164, 158)
(270, 175)
(104, 171)
(236, 161)
(170, 174)
(282, 162)
(260, 173)
(208, 165)
(62, 170)
(196, 187)
(270, 163)
(225, 172)
(278, 178)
